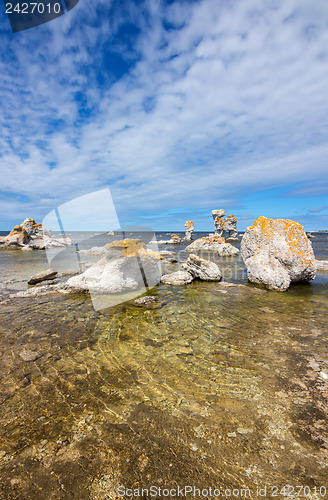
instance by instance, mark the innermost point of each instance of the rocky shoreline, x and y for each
(276, 253)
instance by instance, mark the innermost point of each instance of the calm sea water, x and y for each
(223, 387)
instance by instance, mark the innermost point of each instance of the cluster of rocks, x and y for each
(228, 225)
(194, 267)
(30, 235)
(277, 253)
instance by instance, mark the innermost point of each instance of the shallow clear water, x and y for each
(223, 386)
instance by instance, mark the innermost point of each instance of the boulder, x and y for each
(129, 265)
(49, 274)
(277, 253)
(189, 227)
(202, 269)
(213, 243)
(177, 278)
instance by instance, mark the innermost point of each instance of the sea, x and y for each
(221, 391)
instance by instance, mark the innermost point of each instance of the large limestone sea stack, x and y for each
(277, 253)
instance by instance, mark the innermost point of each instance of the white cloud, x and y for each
(237, 101)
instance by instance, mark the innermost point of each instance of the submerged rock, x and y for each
(202, 269)
(149, 302)
(177, 278)
(49, 274)
(213, 243)
(277, 253)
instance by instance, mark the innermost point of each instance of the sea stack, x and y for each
(277, 253)
(189, 227)
(218, 221)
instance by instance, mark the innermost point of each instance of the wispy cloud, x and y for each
(317, 209)
(189, 105)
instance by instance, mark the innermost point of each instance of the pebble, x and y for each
(243, 431)
(29, 355)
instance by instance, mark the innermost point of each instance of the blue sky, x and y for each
(179, 107)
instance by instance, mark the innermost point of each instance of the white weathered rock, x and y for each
(321, 265)
(189, 227)
(177, 278)
(116, 275)
(30, 234)
(128, 266)
(277, 253)
(167, 253)
(202, 269)
(213, 243)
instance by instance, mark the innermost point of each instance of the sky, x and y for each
(178, 107)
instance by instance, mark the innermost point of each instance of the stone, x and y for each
(149, 301)
(128, 266)
(17, 237)
(49, 274)
(230, 225)
(218, 221)
(170, 260)
(202, 269)
(321, 265)
(277, 253)
(167, 253)
(213, 243)
(174, 240)
(177, 278)
(32, 235)
(29, 355)
(46, 282)
(189, 228)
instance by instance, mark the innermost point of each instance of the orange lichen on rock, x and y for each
(277, 253)
(175, 237)
(133, 248)
(293, 232)
(17, 229)
(189, 223)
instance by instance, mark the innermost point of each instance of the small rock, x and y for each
(243, 431)
(232, 434)
(49, 274)
(29, 355)
(202, 269)
(177, 278)
(149, 301)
